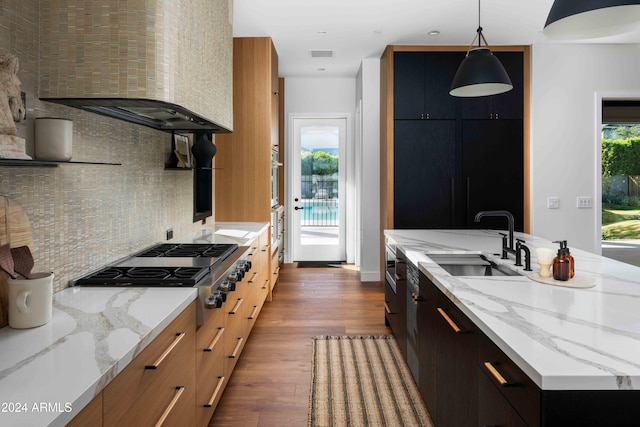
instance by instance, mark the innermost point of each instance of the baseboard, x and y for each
(370, 276)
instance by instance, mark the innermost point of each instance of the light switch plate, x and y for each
(584, 202)
(553, 203)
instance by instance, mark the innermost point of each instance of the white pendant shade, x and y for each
(570, 19)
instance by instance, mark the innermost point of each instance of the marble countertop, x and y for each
(49, 373)
(242, 233)
(563, 338)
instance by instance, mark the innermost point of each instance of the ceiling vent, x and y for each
(322, 54)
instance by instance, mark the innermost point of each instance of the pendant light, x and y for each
(586, 19)
(480, 73)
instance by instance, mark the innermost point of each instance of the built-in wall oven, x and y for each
(275, 165)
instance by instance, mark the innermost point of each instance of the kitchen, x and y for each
(85, 216)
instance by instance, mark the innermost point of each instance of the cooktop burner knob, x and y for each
(222, 295)
(234, 277)
(246, 265)
(213, 301)
(228, 285)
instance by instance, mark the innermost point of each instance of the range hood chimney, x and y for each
(163, 64)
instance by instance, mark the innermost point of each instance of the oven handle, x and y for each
(179, 336)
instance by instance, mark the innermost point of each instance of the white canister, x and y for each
(53, 139)
(30, 301)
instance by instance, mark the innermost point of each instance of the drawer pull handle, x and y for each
(215, 339)
(254, 313)
(497, 375)
(164, 355)
(386, 308)
(266, 284)
(236, 307)
(165, 414)
(216, 391)
(236, 350)
(398, 261)
(451, 323)
(395, 276)
(255, 273)
(265, 248)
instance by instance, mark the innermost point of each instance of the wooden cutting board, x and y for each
(15, 229)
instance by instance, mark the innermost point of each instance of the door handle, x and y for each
(298, 208)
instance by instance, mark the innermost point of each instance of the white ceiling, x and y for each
(358, 29)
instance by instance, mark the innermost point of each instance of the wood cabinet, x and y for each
(210, 364)
(158, 386)
(443, 159)
(91, 415)
(243, 159)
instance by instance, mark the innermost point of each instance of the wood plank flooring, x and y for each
(270, 384)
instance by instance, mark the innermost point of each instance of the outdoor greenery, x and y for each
(621, 156)
(620, 212)
(318, 163)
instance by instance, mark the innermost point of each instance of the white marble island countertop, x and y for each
(563, 338)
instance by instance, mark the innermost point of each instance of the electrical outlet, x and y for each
(170, 234)
(584, 203)
(553, 203)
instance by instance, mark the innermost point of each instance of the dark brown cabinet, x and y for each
(456, 354)
(421, 85)
(453, 157)
(395, 299)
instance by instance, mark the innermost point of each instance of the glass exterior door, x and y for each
(318, 189)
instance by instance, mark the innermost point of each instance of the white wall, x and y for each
(304, 95)
(567, 80)
(368, 97)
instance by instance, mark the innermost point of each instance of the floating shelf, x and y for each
(47, 163)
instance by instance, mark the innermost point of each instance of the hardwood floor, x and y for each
(270, 384)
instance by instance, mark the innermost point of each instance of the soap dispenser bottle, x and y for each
(572, 270)
(561, 264)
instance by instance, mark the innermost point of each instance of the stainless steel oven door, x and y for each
(390, 261)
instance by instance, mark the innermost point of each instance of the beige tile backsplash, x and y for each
(85, 216)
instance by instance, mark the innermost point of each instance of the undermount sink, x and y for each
(471, 265)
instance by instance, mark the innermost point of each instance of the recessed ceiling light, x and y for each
(322, 33)
(434, 33)
(322, 69)
(377, 32)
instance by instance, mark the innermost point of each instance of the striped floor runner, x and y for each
(363, 381)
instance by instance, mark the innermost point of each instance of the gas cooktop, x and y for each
(145, 276)
(165, 264)
(190, 250)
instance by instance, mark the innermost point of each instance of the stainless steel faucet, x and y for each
(510, 220)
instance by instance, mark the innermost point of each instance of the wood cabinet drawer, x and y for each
(517, 388)
(211, 379)
(91, 415)
(141, 395)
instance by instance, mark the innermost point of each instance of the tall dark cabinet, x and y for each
(444, 158)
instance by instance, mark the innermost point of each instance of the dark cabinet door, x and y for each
(425, 173)
(421, 84)
(492, 170)
(508, 105)
(408, 85)
(493, 408)
(427, 344)
(457, 369)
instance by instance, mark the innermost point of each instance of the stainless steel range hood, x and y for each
(163, 64)
(158, 115)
